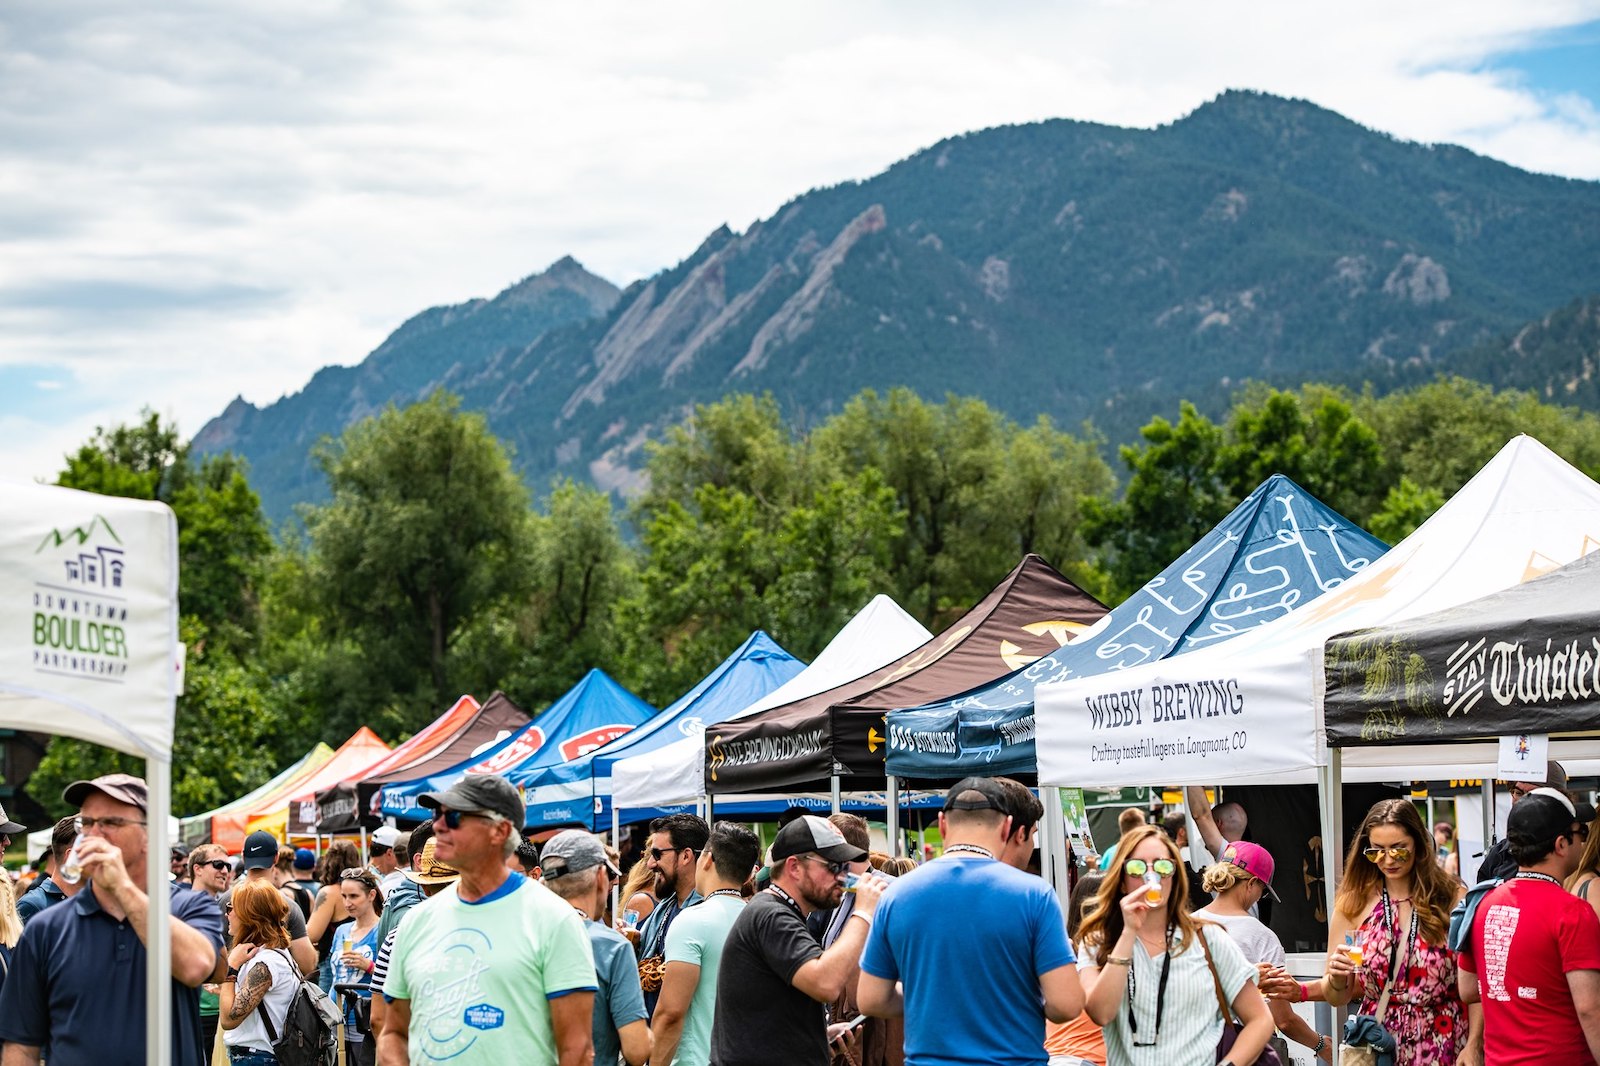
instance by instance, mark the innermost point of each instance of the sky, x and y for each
(203, 200)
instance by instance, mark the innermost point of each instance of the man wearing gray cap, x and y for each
(77, 980)
(1498, 863)
(576, 869)
(495, 969)
(775, 977)
(8, 829)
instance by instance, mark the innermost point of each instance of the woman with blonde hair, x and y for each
(635, 893)
(1394, 905)
(10, 926)
(262, 978)
(1151, 973)
(1237, 883)
(1582, 882)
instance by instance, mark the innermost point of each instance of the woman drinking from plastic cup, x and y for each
(1394, 906)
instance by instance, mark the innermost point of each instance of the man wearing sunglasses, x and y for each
(775, 977)
(495, 969)
(676, 844)
(76, 981)
(1534, 958)
(1498, 862)
(210, 871)
(966, 921)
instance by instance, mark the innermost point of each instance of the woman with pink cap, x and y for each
(1238, 882)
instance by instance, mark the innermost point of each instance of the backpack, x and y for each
(310, 1026)
(1462, 914)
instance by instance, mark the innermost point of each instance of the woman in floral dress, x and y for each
(1395, 902)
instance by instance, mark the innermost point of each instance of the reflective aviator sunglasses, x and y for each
(1137, 867)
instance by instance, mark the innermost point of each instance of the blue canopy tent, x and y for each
(592, 713)
(1276, 551)
(578, 791)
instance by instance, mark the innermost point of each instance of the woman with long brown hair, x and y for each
(1152, 985)
(1394, 903)
(328, 913)
(262, 977)
(1582, 883)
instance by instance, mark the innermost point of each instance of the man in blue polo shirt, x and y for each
(77, 979)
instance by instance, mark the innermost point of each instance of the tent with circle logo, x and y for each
(592, 713)
(89, 649)
(465, 731)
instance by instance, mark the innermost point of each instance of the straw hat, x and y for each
(430, 871)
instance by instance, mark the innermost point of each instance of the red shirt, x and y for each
(1526, 936)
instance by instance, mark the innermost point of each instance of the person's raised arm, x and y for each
(678, 983)
(1200, 811)
(572, 1019)
(194, 957)
(824, 977)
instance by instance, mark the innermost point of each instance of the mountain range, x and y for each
(1083, 271)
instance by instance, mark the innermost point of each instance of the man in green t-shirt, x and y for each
(494, 969)
(684, 1013)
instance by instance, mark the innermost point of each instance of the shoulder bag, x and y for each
(1230, 1027)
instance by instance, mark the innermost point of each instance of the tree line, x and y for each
(431, 571)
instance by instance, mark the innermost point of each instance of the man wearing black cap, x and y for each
(1012, 945)
(495, 969)
(1498, 862)
(77, 980)
(575, 868)
(258, 858)
(1534, 961)
(775, 977)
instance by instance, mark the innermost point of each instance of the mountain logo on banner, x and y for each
(584, 743)
(79, 613)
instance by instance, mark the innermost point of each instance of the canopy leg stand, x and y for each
(1329, 800)
(1052, 844)
(837, 799)
(891, 815)
(616, 886)
(1488, 815)
(158, 941)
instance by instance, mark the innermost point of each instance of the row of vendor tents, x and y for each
(1284, 630)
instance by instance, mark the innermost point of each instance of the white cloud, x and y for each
(212, 199)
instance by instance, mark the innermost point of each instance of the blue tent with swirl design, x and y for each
(1278, 550)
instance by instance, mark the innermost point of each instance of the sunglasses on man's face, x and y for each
(452, 819)
(216, 864)
(1137, 867)
(656, 853)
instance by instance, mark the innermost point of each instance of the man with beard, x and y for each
(775, 977)
(676, 844)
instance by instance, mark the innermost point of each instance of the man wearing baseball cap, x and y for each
(1534, 961)
(1012, 944)
(775, 977)
(8, 829)
(77, 979)
(576, 869)
(384, 860)
(260, 855)
(1498, 862)
(521, 951)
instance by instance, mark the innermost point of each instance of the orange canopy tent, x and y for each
(225, 825)
(352, 760)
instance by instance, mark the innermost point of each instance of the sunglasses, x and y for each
(1398, 853)
(452, 819)
(656, 853)
(837, 869)
(1137, 867)
(1580, 832)
(215, 864)
(1517, 791)
(358, 873)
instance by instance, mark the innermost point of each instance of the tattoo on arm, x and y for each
(248, 998)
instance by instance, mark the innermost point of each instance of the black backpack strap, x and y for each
(266, 1016)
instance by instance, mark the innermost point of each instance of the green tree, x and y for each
(1313, 437)
(427, 533)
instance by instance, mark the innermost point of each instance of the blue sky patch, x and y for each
(1567, 61)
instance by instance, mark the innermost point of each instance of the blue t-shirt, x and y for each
(77, 984)
(969, 939)
(619, 1000)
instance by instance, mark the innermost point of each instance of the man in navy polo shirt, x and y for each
(77, 980)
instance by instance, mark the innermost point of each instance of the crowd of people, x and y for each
(463, 941)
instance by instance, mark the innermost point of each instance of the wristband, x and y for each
(233, 971)
(1304, 992)
(1124, 961)
(863, 916)
(1322, 1042)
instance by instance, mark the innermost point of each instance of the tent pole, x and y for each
(709, 805)
(836, 797)
(891, 814)
(364, 856)
(1052, 840)
(1329, 790)
(158, 947)
(616, 886)
(922, 839)
(1488, 813)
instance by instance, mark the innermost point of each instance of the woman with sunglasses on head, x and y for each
(354, 954)
(1237, 883)
(1394, 903)
(262, 977)
(328, 913)
(1150, 972)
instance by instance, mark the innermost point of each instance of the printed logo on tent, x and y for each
(594, 738)
(1060, 629)
(692, 727)
(513, 753)
(80, 614)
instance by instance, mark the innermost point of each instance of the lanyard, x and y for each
(1161, 994)
(1392, 912)
(657, 941)
(781, 894)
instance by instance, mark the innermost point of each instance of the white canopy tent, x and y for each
(880, 633)
(1249, 711)
(88, 642)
